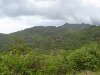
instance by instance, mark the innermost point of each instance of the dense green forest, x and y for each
(49, 50)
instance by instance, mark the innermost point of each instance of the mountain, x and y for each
(65, 50)
(67, 36)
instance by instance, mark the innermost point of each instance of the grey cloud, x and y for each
(73, 11)
(16, 8)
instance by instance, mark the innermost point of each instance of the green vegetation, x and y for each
(25, 61)
(65, 50)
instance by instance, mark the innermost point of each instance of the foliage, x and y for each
(37, 62)
(51, 50)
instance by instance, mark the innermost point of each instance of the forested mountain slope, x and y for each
(64, 50)
(67, 36)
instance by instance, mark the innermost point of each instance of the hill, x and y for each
(67, 36)
(71, 49)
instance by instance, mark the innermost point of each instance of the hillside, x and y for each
(67, 36)
(70, 49)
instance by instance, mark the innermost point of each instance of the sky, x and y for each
(16, 15)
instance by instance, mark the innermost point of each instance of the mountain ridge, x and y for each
(52, 37)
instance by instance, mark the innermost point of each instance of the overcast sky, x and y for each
(17, 15)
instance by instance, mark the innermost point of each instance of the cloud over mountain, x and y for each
(49, 12)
